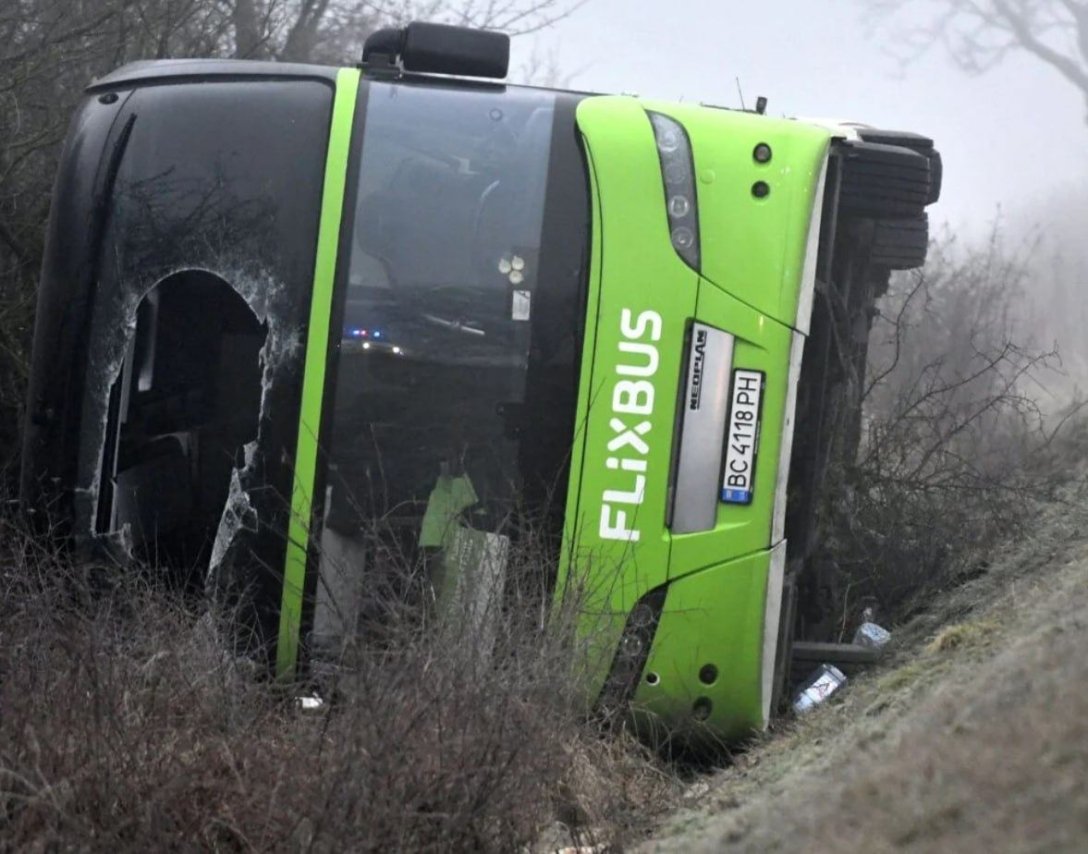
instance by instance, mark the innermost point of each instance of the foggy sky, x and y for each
(1010, 137)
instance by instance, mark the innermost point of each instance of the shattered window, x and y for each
(194, 358)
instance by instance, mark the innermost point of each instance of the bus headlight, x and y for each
(678, 175)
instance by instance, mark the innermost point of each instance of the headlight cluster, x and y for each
(678, 173)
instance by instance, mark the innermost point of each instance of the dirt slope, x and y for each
(972, 737)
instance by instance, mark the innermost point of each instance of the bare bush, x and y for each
(126, 726)
(979, 34)
(958, 433)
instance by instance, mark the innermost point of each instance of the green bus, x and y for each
(285, 305)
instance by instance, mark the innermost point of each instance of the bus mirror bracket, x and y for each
(429, 48)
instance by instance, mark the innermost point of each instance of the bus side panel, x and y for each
(618, 540)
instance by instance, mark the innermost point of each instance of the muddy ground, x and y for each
(971, 736)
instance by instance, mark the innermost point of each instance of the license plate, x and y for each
(742, 437)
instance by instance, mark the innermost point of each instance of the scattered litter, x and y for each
(824, 681)
(312, 703)
(872, 636)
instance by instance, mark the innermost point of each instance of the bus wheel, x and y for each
(915, 142)
(936, 172)
(883, 180)
(900, 244)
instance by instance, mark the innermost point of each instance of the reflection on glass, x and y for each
(435, 351)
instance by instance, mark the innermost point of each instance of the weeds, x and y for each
(961, 435)
(126, 726)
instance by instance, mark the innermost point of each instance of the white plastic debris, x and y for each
(312, 703)
(824, 681)
(872, 636)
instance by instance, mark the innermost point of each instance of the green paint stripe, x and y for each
(313, 380)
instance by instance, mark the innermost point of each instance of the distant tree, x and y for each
(979, 34)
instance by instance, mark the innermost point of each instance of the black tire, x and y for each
(936, 173)
(902, 138)
(900, 244)
(915, 142)
(883, 180)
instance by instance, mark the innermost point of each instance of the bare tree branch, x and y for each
(979, 34)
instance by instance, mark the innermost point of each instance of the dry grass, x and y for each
(960, 635)
(125, 727)
(975, 738)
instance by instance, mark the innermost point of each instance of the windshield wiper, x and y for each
(455, 325)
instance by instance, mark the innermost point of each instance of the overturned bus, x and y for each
(281, 303)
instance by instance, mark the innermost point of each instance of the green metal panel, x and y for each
(752, 247)
(712, 618)
(627, 406)
(313, 382)
(762, 344)
(642, 297)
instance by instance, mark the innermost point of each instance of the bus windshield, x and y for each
(461, 329)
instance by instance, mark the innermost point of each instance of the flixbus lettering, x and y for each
(630, 398)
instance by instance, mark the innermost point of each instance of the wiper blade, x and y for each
(455, 325)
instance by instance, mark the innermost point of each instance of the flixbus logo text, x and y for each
(628, 444)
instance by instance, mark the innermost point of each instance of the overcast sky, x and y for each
(1010, 137)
